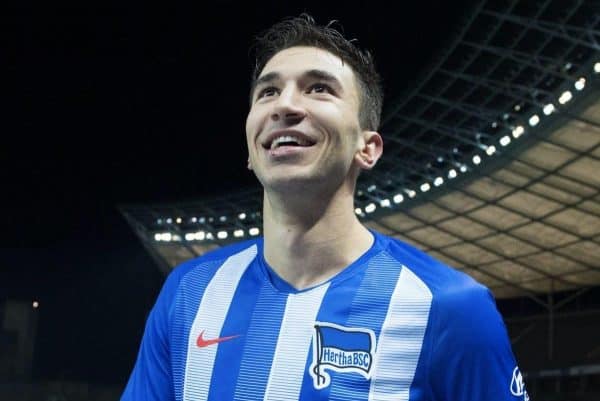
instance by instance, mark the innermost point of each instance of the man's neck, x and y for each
(308, 242)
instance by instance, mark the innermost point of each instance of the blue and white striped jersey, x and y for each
(394, 325)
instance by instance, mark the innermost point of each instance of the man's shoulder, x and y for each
(442, 280)
(215, 257)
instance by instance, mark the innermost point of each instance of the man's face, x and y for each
(303, 126)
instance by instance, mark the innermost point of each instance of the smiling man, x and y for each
(320, 308)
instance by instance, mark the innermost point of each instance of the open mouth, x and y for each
(288, 140)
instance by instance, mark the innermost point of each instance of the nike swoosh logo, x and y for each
(201, 342)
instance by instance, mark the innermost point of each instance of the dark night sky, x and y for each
(112, 103)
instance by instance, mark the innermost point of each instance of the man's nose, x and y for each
(288, 107)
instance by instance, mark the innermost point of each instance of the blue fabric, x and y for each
(465, 352)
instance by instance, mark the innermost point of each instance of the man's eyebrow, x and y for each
(269, 77)
(322, 75)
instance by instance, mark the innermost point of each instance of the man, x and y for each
(321, 308)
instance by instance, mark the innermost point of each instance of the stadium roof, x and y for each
(491, 159)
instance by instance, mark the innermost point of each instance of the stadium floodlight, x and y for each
(517, 107)
(580, 84)
(518, 131)
(372, 188)
(411, 193)
(254, 231)
(169, 220)
(490, 150)
(452, 173)
(202, 220)
(358, 211)
(548, 109)
(35, 304)
(425, 187)
(505, 140)
(167, 237)
(242, 216)
(178, 220)
(565, 97)
(534, 120)
(385, 203)
(209, 236)
(222, 234)
(238, 233)
(476, 159)
(176, 238)
(200, 235)
(463, 168)
(223, 218)
(438, 181)
(495, 124)
(194, 219)
(158, 221)
(158, 237)
(190, 236)
(370, 208)
(597, 67)
(398, 198)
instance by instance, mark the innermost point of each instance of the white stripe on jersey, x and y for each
(401, 339)
(210, 318)
(293, 345)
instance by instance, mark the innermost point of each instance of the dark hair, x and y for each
(303, 31)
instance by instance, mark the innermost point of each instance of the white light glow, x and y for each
(411, 193)
(565, 97)
(157, 237)
(438, 181)
(463, 168)
(223, 218)
(452, 173)
(358, 211)
(194, 219)
(242, 216)
(167, 237)
(190, 236)
(35, 304)
(159, 221)
(597, 67)
(425, 187)
(254, 231)
(178, 220)
(370, 208)
(548, 109)
(372, 188)
(169, 220)
(209, 236)
(490, 150)
(385, 203)
(398, 198)
(238, 233)
(222, 234)
(517, 107)
(176, 238)
(505, 140)
(518, 131)
(534, 120)
(476, 159)
(580, 84)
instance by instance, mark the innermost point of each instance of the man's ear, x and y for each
(371, 149)
(249, 165)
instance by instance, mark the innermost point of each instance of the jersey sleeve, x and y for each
(151, 377)
(472, 357)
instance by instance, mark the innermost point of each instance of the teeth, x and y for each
(288, 138)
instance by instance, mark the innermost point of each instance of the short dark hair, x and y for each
(303, 31)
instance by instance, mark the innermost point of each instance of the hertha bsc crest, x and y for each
(341, 349)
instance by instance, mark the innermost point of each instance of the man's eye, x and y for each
(270, 91)
(320, 88)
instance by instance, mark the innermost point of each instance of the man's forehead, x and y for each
(298, 59)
